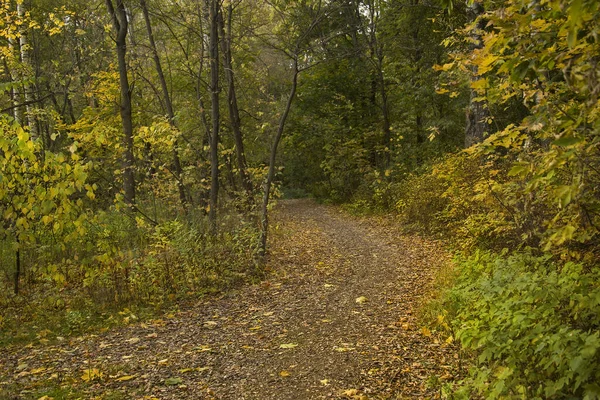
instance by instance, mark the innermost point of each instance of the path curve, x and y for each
(335, 319)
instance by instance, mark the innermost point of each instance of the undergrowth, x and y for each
(121, 271)
(526, 318)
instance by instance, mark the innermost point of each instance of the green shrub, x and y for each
(532, 324)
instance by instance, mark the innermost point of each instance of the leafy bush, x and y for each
(533, 326)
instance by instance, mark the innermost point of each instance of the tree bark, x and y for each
(177, 170)
(234, 113)
(17, 269)
(26, 61)
(214, 89)
(120, 24)
(272, 158)
(14, 94)
(477, 113)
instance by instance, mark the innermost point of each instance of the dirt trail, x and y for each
(335, 319)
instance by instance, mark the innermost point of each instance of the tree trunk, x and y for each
(214, 89)
(234, 113)
(177, 170)
(477, 113)
(272, 158)
(120, 23)
(26, 61)
(14, 94)
(17, 269)
(387, 132)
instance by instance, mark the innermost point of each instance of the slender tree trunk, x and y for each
(377, 57)
(177, 170)
(120, 24)
(477, 113)
(387, 132)
(14, 94)
(17, 269)
(234, 113)
(272, 158)
(214, 139)
(26, 61)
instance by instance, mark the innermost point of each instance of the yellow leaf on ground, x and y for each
(284, 373)
(37, 370)
(91, 374)
(288, 345)
(361, 300)
(125, 378)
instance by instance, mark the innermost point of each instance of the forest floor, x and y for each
(336, 318)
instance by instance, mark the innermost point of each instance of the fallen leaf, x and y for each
(173, 381)
(125, 378)
(210, 324)
(288, 345)
(425, 331)
(133, 340)
(37, 370)
(284, 374)
(91, 374)
(361, 300)
(324, 382)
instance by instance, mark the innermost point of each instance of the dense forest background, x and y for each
(142, 143)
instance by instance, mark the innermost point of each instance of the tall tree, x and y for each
(177, 170)
(477, 112)
(120, 24)
(232, 103)
(213, 16)
(26, 65)
(273, 157)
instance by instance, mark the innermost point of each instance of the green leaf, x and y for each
(519, 169)
(564, 194)
(566, 141)
(173, 381)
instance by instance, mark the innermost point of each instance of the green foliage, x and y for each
(532, 325)
(546, 57)
(462, 198)
(40, 193)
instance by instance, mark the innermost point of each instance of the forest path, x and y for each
(335, 319)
